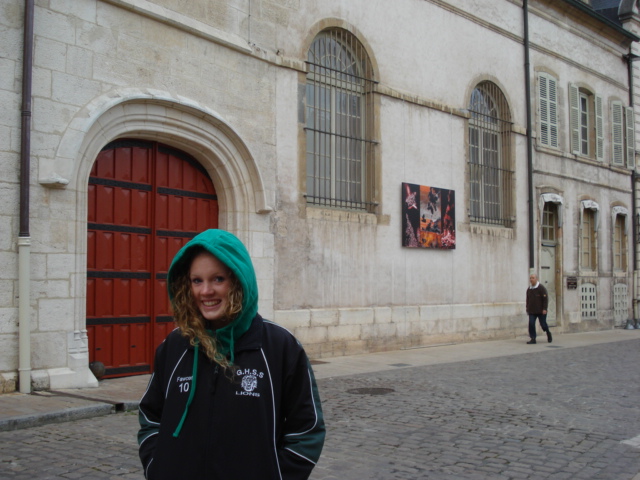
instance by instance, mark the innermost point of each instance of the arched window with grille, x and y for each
(490, 158)
(339, 123)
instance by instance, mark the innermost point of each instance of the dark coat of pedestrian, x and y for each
(537, 305)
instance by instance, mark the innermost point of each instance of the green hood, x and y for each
(227, 248)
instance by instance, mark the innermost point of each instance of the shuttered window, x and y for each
(623, 135)
(617, 134)
(587, 123)
(599, 128)
(574, 107)
(630, 137)
(548, 114)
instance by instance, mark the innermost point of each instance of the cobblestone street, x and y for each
(551, 414)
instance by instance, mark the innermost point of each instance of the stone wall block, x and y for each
(50, 55)
(379, 332)
(8, 74)
(8, 320)
(325, 318)
(311, 335)
(60, 265)
(293, 319)
(74, 90)
(347, 333)
(382, 315)
(8, 382)
(48, 350)
(56, 315)
(435, 312)
(9, 262)
(355, 316)
(9, 349)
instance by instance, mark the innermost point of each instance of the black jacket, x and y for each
(264, 423)
(537, 300)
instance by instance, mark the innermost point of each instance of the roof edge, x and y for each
(601, 18)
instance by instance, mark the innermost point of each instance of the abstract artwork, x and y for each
(428, 217)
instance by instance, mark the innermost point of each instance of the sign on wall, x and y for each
(428, 217)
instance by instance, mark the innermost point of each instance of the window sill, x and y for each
(588, 273)
(620, 274)
(338, 215)
(557, 152)
(491, 230)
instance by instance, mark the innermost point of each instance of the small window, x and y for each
(588, 239)
(549, 222)
(619, 244)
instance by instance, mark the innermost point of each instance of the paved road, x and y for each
(552, 414)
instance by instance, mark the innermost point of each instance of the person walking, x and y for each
(232, 395)
(537, 303)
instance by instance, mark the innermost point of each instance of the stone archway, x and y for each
(161, 117)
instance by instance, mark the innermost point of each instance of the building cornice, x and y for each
(583, 7)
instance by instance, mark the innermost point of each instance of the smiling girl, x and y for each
(228, 386)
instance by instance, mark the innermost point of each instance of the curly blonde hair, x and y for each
(186, 314)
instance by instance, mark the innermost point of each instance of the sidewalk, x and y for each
(123, 394)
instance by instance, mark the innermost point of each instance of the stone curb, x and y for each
(60, 416)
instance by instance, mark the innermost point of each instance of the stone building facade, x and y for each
(297, 125)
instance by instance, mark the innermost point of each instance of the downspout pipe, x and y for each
(630, 58)
(24, 237)
(527, 82)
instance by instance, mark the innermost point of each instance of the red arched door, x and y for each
(146, 200)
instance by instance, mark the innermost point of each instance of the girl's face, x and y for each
(210, 281)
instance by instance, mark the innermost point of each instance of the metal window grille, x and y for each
(339, 122)
(620, 302)
(490, 171)
(588, 301)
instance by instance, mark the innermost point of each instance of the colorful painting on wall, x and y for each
(428, 217)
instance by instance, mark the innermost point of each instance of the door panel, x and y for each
(145, 201)
(548, 279)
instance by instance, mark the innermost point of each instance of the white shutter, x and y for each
(630, 136)
(574, 111)
(547, 90)
(599, 129)
(553, 112)
(543, 95)
(617, 134)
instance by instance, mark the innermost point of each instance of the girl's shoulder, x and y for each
(174, 341)
(277, 337)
